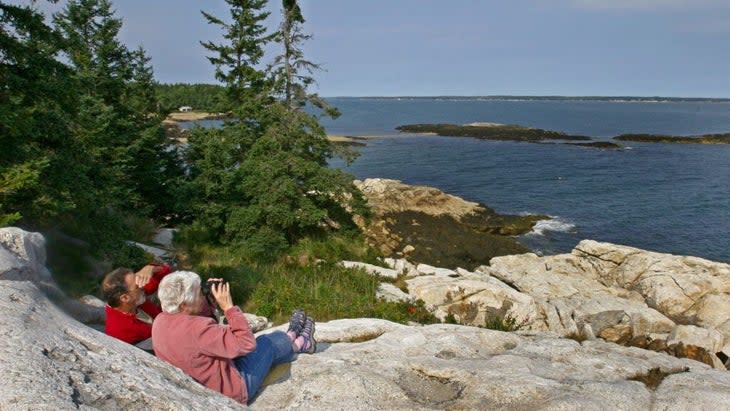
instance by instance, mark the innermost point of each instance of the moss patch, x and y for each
(443, 241)
(654, 377)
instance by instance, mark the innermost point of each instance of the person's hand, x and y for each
(222, 294)
(142, 277)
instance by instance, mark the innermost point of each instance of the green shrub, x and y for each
(335, 248)
(505, 323)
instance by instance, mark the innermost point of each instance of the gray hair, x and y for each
(177, 288)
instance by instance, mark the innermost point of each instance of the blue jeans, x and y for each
(271, 349)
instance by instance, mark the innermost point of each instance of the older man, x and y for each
(129, 313)
(228, 359)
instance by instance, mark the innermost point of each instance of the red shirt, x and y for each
(126, 326)
(205, 350)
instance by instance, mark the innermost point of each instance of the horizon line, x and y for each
(546, 96)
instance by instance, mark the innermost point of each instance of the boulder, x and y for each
(23, 257)
(574, 300)
(256, 322)
(402, 266)
(164, 237)
(390, 292)
(372, 269)
(474, 301)
(697, 343)
(160, 254)
(388, 196)
(624, 294)
(425, 269)
(412, 221)
(50, 361)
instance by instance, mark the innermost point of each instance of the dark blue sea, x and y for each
(663, 197)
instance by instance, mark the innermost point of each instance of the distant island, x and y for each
(491, 131)
(654, 138)
(513, 132)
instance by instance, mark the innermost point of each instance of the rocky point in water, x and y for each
(413, 221)
(656, 138)
(491, 131)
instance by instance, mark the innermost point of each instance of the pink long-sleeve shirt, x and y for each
(204, 350)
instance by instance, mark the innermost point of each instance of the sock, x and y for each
(298, 344)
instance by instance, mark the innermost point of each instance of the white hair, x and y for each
(177, 288)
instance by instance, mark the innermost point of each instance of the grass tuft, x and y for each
(307, 276)
(503, 323)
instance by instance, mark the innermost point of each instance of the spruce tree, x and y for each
(292, 71)
(129, 158)
(216, 154)
(42, 175)
(237, 58)
(264, 176)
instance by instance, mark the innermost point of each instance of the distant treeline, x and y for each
(201, 97)
(653, 138)
(564, 98)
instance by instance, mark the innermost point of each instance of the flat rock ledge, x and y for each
(50, 361)
(674, 304)
(375, 364)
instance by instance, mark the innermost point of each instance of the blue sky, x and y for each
(471, 47)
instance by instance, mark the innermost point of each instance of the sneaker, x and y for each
(309, 344)
(296, 322)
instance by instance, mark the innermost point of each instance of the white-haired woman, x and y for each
(227, 359)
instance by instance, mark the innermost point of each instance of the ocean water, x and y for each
(662, 197)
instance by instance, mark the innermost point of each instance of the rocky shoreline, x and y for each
(678, 305)
(600, 295)
(653, 138)
(412, 222)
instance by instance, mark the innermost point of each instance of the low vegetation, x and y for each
(491, 132)
(655, 138)
(308, 277)
(503, 323)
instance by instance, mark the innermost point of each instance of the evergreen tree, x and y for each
(201, 97)
(42, 174)
(216, 154)
(236, 59)
(156, 170)
(264, 177)
(292, 71)
(101, 69)
(130, 161)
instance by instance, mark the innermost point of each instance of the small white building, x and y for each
(185, 109)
